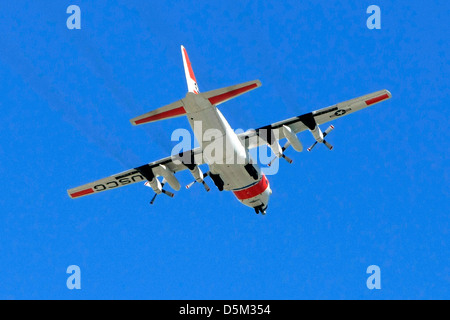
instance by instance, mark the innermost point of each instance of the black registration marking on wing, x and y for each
(266, 133)
(132, 173)
(126, 175)
(146, 171)
(319, 113)
(187, 158)
(308, 119)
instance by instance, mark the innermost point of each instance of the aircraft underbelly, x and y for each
(222, 149)
(233, 176)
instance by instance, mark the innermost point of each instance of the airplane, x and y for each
(235, 170)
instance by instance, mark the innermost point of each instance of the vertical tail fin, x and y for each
(190, 77)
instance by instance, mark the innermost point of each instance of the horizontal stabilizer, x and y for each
(172, 110)
(219, 96)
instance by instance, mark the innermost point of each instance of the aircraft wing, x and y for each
(310, 120)
(170, 165)
(163, 167)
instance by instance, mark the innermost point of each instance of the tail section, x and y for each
(178, 108)
(190, 76)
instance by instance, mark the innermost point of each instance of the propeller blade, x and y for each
(287, 158)
(168, 193)
(191, 184)
(153, 199)
(206, 186)
(328, 145)
(272, 161)
(310, 148)
(203, 182)
(286, 145)
(328, 130)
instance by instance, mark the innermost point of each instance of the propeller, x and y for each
(329, 146)
(286, 145)
(205, 185)
(168, 193)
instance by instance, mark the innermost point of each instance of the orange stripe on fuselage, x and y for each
(254, 190)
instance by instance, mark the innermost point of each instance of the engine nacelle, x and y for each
(270, 137)
(155, 185)
(276, 148)
(197, 173)
(317, 133)
(169, 176)
(293, 139)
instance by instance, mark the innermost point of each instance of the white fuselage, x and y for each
(225, 154)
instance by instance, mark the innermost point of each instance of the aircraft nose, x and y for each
(265, 201)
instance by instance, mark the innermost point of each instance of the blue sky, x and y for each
(379, 198)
